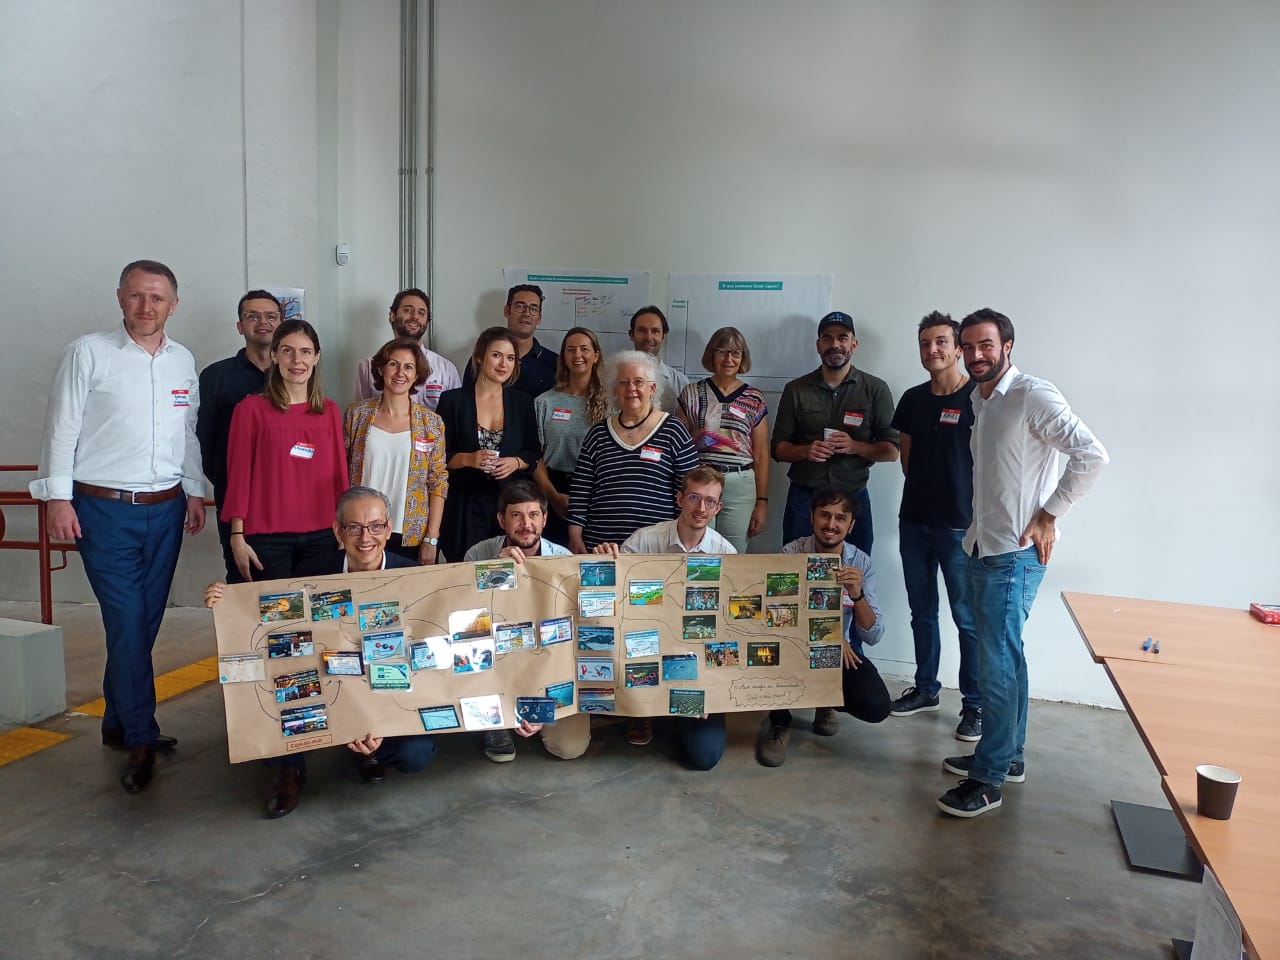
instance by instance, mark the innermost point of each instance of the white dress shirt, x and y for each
(489, 549)
(121, 417)
(663, 538)
(1017, 434)
(443, 376)
(670, 384)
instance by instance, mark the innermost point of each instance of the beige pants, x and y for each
(569, 738)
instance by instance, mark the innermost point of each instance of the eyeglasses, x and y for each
(698, 500)
(377, 528)
(637, 383)
(733, 354)
(253, 316)
(533, 309)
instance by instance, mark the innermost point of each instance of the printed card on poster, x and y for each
(595, 639)
(823, 656)
(562, 693)
(481, 713)
(598, 573)
(465, 624)
(389, 676)
(641, 673)
(383, 615)
(701, 568)
(331, 605)
(680, 666)
(594, 604)
(745, 607)
(295, 643)
(496, 575)
(381, 646)
(536, 709)
(594, 669)
(555, 630)
(297, 686)
(687, 703)
(763, 654)
(822, 567)
(642, 643)
(431, 653)
(241, 668)
(722, 653)
(702, 598)
(700, 626)
(343, 663)
(597, 700)
(515, 636)
(644, 593)
(444, 717)
(280, 607)
(825, 629)
(473, 656)
(295, 721)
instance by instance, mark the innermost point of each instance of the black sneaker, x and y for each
(499, 746)
(970, 798)
(961, 766)
(913, 701)
(970, 727)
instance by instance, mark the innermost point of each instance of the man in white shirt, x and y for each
(522, 514)
(699, 501)
(410, 315)
(1021, 424)
(120, 468)
(649, 329)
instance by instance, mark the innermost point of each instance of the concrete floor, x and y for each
(622, 854)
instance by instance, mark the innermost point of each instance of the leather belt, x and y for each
(735, 469)
(128, 496)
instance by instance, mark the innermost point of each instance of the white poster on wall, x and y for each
(601, 300)
(778, 313)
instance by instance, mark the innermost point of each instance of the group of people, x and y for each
(535, 453)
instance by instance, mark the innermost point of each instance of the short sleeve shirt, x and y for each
(939, 485)
(722, 423)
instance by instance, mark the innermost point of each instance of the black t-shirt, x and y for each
(939, 486)
(223, 385)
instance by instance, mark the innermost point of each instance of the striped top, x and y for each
(617, 488)
(723, 423)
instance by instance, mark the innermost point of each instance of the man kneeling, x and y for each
(362, 530)
(865, 695)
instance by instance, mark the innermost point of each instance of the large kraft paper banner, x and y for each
(748, 677)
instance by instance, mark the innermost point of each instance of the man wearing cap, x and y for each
(410, 316)
(832, 425)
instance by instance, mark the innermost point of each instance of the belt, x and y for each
(128, 496)
(734, 469)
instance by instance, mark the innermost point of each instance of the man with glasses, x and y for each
(699, 500)
(362, 529)
(649, 329)
(223, 384)
(523, 313)
(410, 315)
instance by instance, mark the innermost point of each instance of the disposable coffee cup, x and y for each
(1216, 791)
(828, 434)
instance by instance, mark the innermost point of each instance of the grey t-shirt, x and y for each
(562, 424)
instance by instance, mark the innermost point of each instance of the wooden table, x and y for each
(1212, 695)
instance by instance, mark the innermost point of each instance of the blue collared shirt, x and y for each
(851, 556)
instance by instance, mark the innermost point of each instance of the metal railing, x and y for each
(42, 545)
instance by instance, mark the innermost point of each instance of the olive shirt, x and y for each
(860, 405)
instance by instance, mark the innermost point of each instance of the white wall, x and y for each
(1103, 173)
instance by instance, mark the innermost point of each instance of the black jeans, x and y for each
(865, 696)
(280, 553)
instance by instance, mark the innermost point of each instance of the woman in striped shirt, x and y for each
(630, 466)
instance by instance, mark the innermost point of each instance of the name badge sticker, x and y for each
(182, 398)
(652, 454)
(739, 412)
(852, 418)
(422, 446)
(432, 391)
(303, 451)
(949, 416)
(562, 414)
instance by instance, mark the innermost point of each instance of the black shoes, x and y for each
(970, 727)
(114, 738)
(912, 702)
(285, 791)
(371, 771)
(961, 766)
(970, 798)
(140, 769)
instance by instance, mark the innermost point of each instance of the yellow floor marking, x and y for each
(24, 741)
(167, 684)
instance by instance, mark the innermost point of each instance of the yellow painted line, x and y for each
(167, 684)
(24, 741)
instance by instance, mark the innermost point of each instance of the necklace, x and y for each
(631, 426)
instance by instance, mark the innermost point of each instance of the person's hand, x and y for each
(851, 579)
(819, 451)
(504, 467)
(851, 660)
(195, 515)
(366, 747)
(759, 514)
(427, 553)
(61, 521)
(610, 549)
(244, 556)
(512, 553)
(841, 442)
(484, 460)
(560, 504)
(1041, 531)
(527, 729)
(213, 593)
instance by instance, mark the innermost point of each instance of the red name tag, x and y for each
(949, 416)
(561, 413)
(852, 418)
(422, 446)
(652, 454)
(303, 451)
(182, 398)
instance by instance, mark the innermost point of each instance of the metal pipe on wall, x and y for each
(408, 142)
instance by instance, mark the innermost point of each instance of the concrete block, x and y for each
(33, 672)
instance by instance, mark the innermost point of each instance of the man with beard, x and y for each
(410, 316)
(522, 513)
(523, 313)
(649, 329)
(832, 425)
(935, 420)
(1020, 425)
(865, 695)
(223, 384)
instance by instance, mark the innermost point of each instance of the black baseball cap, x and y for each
(836, 318)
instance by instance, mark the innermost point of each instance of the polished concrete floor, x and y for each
(624, 853)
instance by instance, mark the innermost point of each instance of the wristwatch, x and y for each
(431, 541)
(861, 596)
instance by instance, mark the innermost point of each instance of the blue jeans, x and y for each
(797, 517)
(925, 549)
(406, 754)
(703, 740)
(129, 553)
(1004, 587)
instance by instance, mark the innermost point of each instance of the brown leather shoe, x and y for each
(140, 769)
(284, 792)
(826, 722)
(371, 771)
(114, 738)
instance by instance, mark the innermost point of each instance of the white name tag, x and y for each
(852, 418)
(652, 454)
(422, 446)
(182, 398)
(303, 451)
(739, 413)
(561, 413)
(432, 390)
(949, 416)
